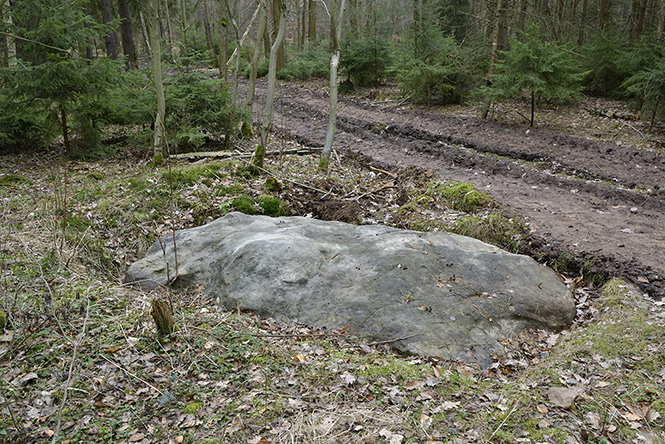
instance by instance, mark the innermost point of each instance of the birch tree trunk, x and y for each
(336, 17)
(260, 153)
(277, 7)
(159, 139)
(263, 19)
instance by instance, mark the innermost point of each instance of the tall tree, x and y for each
(277, 7)
(263, 14)
(127, 34)
(336, 15)
(260, 152)
(223, 38)
(109, 39)
(204, 16)
(311, 32)
(159, 138)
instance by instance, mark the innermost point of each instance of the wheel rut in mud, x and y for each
(597, 203)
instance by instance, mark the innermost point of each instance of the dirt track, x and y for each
(597, 201)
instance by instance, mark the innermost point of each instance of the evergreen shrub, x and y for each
(312, 62)
(366, 61)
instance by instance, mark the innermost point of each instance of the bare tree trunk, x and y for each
(257, 50)
(311, 32)
(183, 32)
(223, 38)
(260, 153)
(127, 34)
(169, 31)
(278, 6)
(495, 46)
(144, 31)
(580, 33)
(109, 39)
(159, 139)
(661, 21)
(602, 14)
(336, 15)
(207, 31)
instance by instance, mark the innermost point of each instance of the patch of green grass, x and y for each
(228, 190)
(12, 180)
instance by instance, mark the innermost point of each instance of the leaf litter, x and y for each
(234, 377)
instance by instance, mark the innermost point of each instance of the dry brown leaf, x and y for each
(259, 440)
(299, 359)
(542, 408)
(437, 372)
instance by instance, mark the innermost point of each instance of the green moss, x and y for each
(273, 185)
(246, 132)
(227, 190)
(461, 196)
(3, 321)
(244, 204)
(96, 175)
(192, 407)
(494, 229)
(271, 206)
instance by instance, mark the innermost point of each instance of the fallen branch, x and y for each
(378, 170)
(644, 139)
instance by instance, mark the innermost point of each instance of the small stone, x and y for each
(633, 210)
(562, 397)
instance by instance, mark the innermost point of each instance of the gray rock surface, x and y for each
(432, 294)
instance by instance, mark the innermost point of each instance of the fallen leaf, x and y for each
(437, 372)
(299, 359)
(259, 440)
(562, 397)
(542, 408)
(136, 437)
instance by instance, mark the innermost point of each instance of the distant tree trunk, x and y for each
(109, 39)
(259, 154)
(263, 14)
(495, 49)
(159, 140)
(336, 15)
(580, 32)
(311, 32)
(144, 31)
(169, 31)
(353, 18)
(88, 48)
(223, 38)
(208, 33)
(278, 6)
(127, 34)
(603, 12)
(183, 33)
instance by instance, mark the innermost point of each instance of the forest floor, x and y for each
(80, 360)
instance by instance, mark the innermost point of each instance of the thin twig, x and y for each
(78, 342)
(644, 139)
(504, 421)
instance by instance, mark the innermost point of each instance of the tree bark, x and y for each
(311, 32)
(260, 152)
(159, 139)
(208, 32)
(336, 16)
(603, 13)
(495, 47)
(580, 32)
(257, 52)
(127, 34)
(109, 39)
(223, 39)
(278, 6)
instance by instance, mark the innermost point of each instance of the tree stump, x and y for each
(163, 316)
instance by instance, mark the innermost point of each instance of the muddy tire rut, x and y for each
(598, 203)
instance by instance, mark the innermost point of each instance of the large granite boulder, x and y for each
(432, 294)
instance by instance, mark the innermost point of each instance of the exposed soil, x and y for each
(601, 203)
